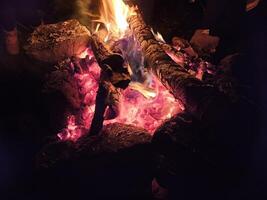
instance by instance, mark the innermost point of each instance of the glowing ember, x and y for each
(142, 106)
(148, 112)
(78, 125)
(146, 105)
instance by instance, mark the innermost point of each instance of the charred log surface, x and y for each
(193, 93)
(182, 132)
(111, 62)
(113, 76)
(55, 42)
(105, 92)
(113, 102)
(62, 91)
(63, 82)
(208, 156)
(115, 164)
(181, 159)
(193, 150)
(115, 137)
(177, 56)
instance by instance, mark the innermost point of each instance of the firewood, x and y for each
(190, 91)
(55, 42)
(113, 76)
(107, 96)
(180, 58)
(61, 81)
(121, 154)
(112, 63)
(113, 138)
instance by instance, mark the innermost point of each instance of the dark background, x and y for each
(25, 117)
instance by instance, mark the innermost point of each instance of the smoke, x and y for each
(82, 11)
(79, 9)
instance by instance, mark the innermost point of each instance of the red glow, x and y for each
(147, 112)
(135, 108)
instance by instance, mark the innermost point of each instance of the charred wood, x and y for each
(177, 56)
(55, 42)
(107, 105)
(121, 154)
(63, 82)
(113, 76)
(113, 138)
(111, 63)
(193, 93)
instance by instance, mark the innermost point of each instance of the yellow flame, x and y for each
(158, 36)
(114, 15)
(145, 91)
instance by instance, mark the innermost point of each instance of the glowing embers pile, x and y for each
(147, 111)
(143, 106)
(79, 124)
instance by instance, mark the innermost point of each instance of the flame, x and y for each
(143, 105)
(146, 105)
(158, 36)
(142, 89)
(145, 111)
(114, 14)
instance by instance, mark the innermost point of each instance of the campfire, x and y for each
(118, 110)
(118, 74)
(126, 86)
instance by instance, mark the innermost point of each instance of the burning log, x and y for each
(56, 42)
(180, 58)
(110, 62)
(194, 141)
(121, 154)
(113, 138)
(62, 81)
(113, 76)
(185, 87)
(106, 96)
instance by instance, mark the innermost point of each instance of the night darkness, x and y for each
(208, 143)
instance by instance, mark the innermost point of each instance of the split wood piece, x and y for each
(113, 76)
(111, 62)
(113, 138)
(55, 42)
(121, 153)
(177, 56)
(190, 91)
(62, 82)
(107, 97)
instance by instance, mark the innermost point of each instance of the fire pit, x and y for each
(126, 73)
(110, 75)
(125, 87)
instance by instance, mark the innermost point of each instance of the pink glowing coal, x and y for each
(145, 108)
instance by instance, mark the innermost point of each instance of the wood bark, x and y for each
(113, 76)
(102, 166)
(55, 42)
(190, 91)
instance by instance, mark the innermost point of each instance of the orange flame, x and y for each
(145, 105)
(158, 36)
(114, 14)
(145, 91)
